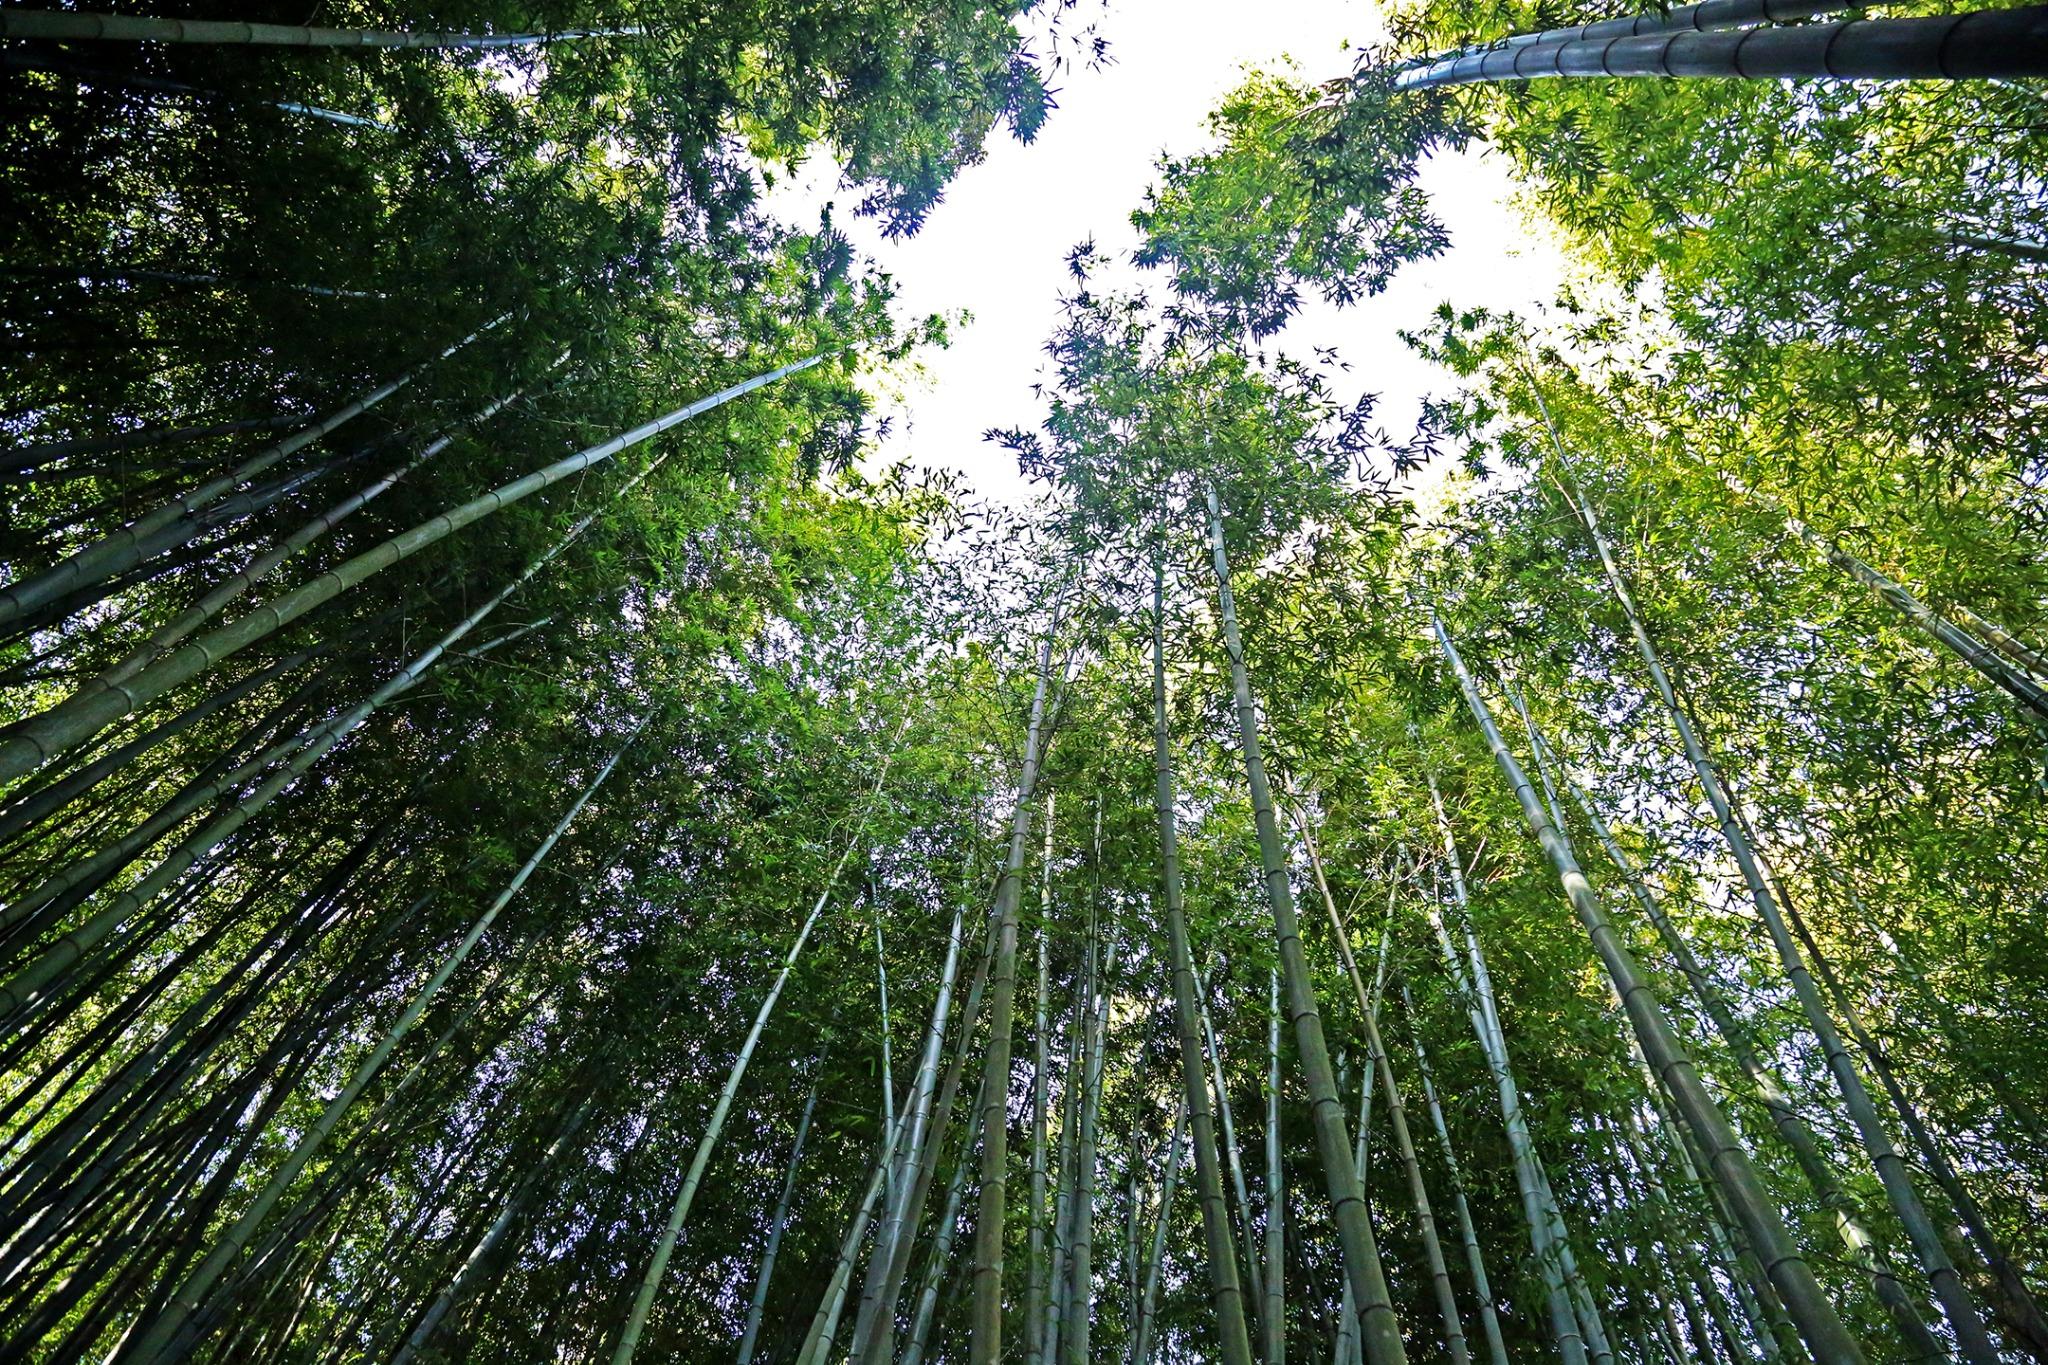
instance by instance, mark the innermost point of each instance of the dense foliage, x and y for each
(519, 843)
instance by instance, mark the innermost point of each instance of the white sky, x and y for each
(997, 245)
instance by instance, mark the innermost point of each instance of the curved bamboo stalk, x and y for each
(128, 547)
(165, 1338)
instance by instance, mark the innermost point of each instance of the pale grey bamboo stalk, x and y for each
(1379, 1326)
(679, 1211)
(1141, 1346)
(124, 549)
(30, 984)
(1818, 1323)
(1477, 991)
(1063, 1198)
(162, 1339)
(75, 26)
(37, 740)
(1949, 1290)
(888, 1068)
(776, 1224)
(1273, 1350)
(897, 1191)
(1475, 1260)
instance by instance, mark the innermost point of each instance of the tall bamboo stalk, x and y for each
(1225, 1295)
(1274, 1348)
(679, 1210)
(36, 741)
(1035, 1291)
(1786, 1119)
(1397, 1114)
(1818, 1323)
(126, 548)
(776, 1224)
(986, 1341)
(1381, 1329)
(1892, 1174)
(74, 26)
(1476, 989)
(165, 1338)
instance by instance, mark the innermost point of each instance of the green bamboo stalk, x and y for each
(1949, 1290)
(1761, 1221)
(986, 1339)
(74, 26)
(166, 1338)
(1380, 1328)
(125, 549)
(36, 741)
(1397, 1114)
(1976, 45)
(1189, 1014)
(776, 1224)
(679, 1210)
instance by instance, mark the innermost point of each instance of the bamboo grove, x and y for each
(518, 841)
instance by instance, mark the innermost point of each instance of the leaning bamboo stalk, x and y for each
(1148, 1298)
(714, 1126)
(467, 1274)
(1190, 1014)
(125, 548)
(1764, 1225)
(1977, 45)
(1786, 1120)
(876, 1349)
(36, 741)
(1949, 1290)
(1475, 1260)
(942, 1241)
(218, 598)
(917, 1111)
(1706, 17)
(32, 982)
(166, 1337)
(776, 1224)
(1379, 1326)
(817, 1346)
(1397, 1115)
(75, 26)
